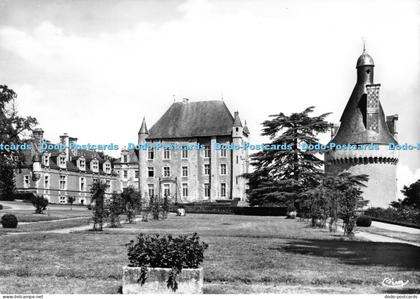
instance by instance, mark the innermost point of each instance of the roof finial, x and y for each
(364, 44)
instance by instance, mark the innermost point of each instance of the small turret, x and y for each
(142, 135)
(143, 129)
(237, 128)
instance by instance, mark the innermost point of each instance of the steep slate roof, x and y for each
(193, 119)
(352, 129)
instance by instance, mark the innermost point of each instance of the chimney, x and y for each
(391, 121)
(38, 135)
(372, 107)
(73, 140)
(65, 140)
(334, 129)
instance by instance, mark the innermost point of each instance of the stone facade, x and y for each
(57, 175)
(206, 174)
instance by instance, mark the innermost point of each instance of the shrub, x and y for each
(40, 203)
(184, 251)
(9, 221)
(364, 221)
(406, 215)
(1, 207)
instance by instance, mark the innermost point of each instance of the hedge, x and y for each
(212, 208)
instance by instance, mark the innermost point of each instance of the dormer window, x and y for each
(46, 160)
(82, 164)
(62, 161)
(125, 158)
(95, 165)
(107, 167)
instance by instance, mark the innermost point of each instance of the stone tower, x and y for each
(143, 133)
(363, 123)
(237, 157)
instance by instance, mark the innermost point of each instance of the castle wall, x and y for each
(380, 166)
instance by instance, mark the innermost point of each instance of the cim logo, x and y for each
(391, 283)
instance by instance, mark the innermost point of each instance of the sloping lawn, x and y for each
(247, 254)
(25, 212)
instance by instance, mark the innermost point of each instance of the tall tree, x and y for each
(411, 197)
(98, 191)
(282, 175)
(12, 129)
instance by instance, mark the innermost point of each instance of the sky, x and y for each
(94, 69)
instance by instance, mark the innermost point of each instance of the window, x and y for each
(166, 154)
(207, 151)
(166, 171)
(95, 181)
(150, 154)
(63, 182)
(237, 159)
(62, 161)
(107, 167)
(82, 164)
(151, 189)
(82, 184)
(125, 174)
(184, 190)
(136, 174)
(223, 189)
(166, 189)
(223, 169)
(46, 160)
(26, 181)
(206, 169)
(108, 185)
(184, 171)
(63, 199)
(206, 190)
(46, 181)
(184, 154)
(150, 172)
(95, 165)
(223, 152)
(125, 158)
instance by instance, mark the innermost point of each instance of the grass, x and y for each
(247, 254)
(25, 212)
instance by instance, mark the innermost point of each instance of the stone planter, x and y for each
(190, 281)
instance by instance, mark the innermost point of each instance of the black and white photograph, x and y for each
(209, 148)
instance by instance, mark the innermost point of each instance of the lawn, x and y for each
(246, 254)
(25, 212)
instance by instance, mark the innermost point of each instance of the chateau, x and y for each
(59, 174)
(206, 174)
(363, 122)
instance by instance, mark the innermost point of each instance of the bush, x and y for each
(40, 203)
(9, 221)
(404, 215)
(364, 221)
(184, 251)
(1, 207)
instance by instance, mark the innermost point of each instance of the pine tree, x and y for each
(282, 176)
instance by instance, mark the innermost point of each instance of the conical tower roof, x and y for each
(353, 128)
(143, 128)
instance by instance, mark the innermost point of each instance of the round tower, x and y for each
(363, 123)
(142, 135)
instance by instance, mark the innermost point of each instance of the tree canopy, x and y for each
(12, 131)
(282, 176)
